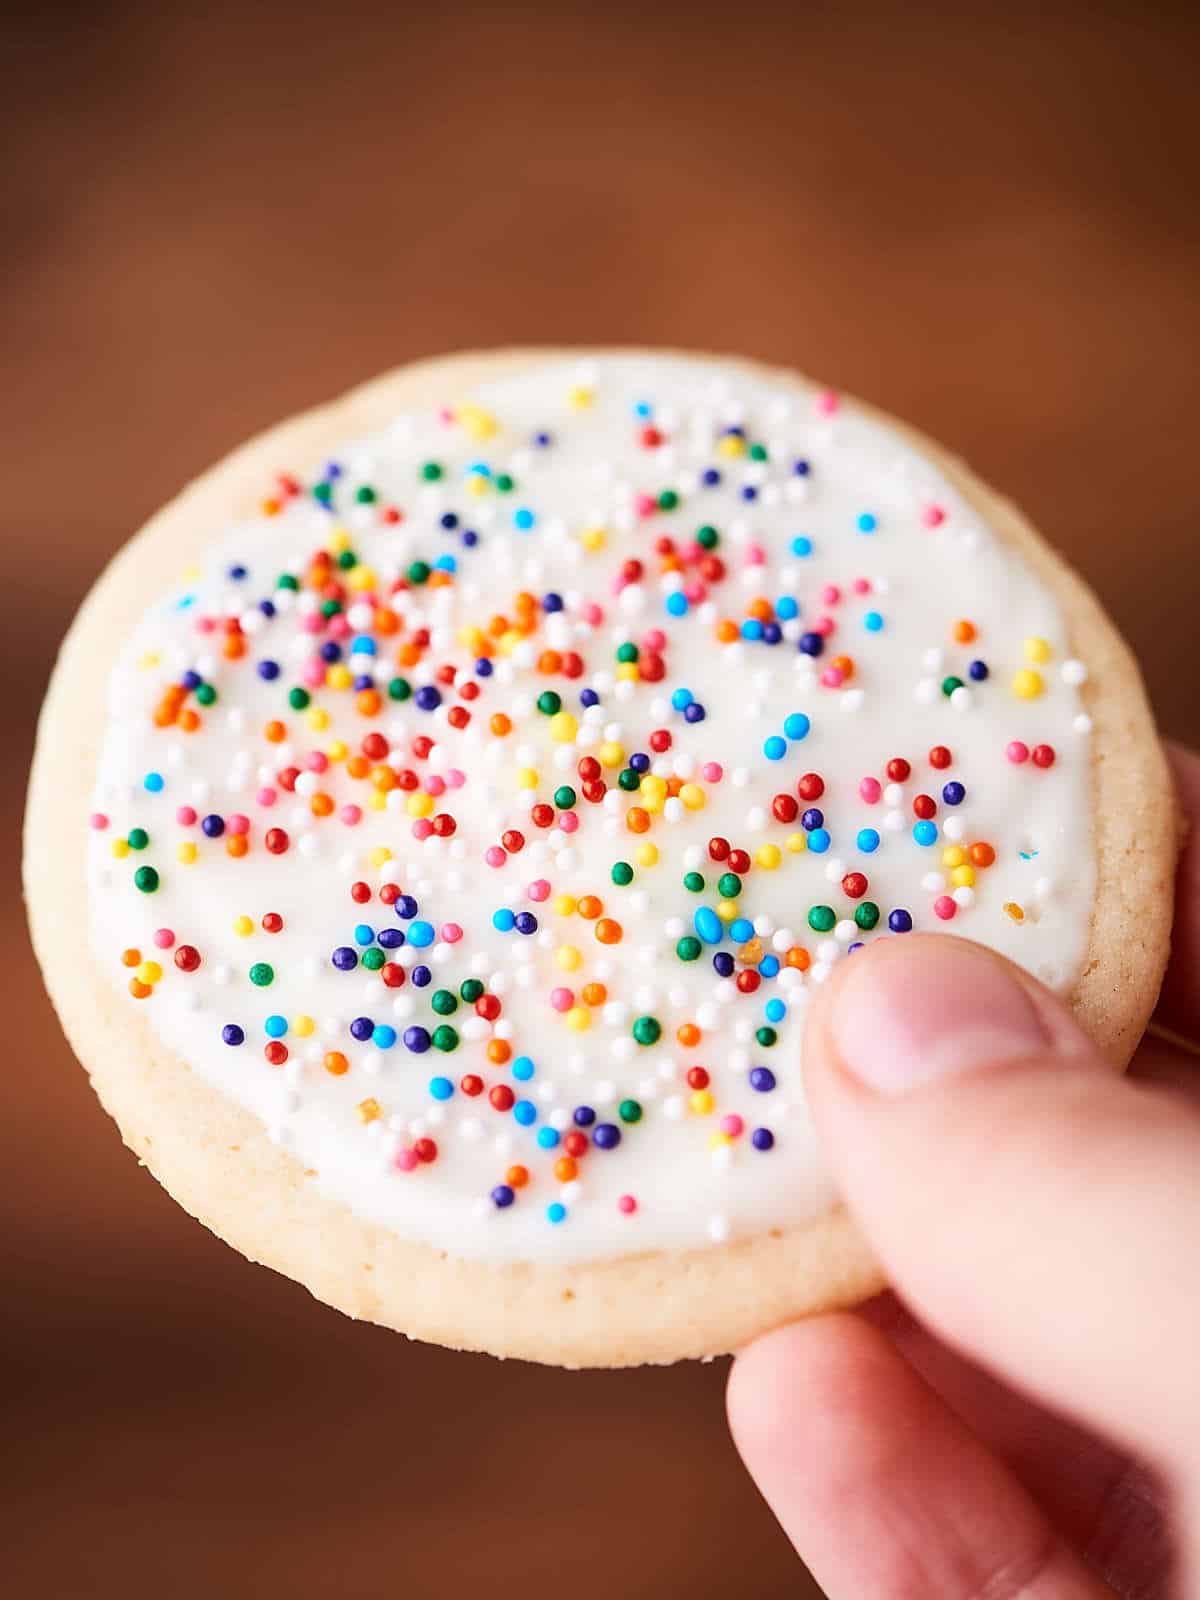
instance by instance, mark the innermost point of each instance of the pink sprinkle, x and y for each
(695, 590)
(450, 932)
(317, 761)
(645, 505)
(339, 625)
(871, 791)
(205, 624)
(627, 1205)
(422, 828)
(351, 815)
(591, 613)
(712, 772)
(562, 999)
(237, 823)
(861, 586)
(446, 416)
(933, 516)
(944, 907)
(824, 626)
(830, 594)
(99, 821)
(455, 777)
(265, 797)
(314, 674)
(164, 938)
(495, 856)
(756, 556)
(827, 403)
(732, 1125)
(435, 785)
(539, 889)
(186, 816)
(1017, 752)
(833, 677)
(568, 821)
(655, 639)
(313, 622)
(404, 1160)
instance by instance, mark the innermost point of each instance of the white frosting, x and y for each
(692, 1184)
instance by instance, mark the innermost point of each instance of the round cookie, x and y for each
(297, 1155)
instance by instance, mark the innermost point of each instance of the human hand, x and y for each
(1030, 1425)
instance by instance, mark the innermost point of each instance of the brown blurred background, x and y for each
(986, 221)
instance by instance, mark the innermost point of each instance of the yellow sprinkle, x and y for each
(303, 1026)
(580, 396)
(1016, 912)
(379, 855)
(369, 1110)
(953, 855)
(610, 754)
(1037, 650)
(579, 1019)
(243, 926)
(594, 538)
(701, 1101)
(751, 953)
(185, 853)
(693, 796)
(339, 676)
(339, 540)
(627, 672)
(565, 904)
(477, 422)
(527, 778)
(646, 855)
(418, 804)
(193, 572)
(769, 856)
(377, 800)
(337, 750)
(477, 485)
(731, 445)
(149, 660)
(568, 958)
(727, 910)
(317, 718)
(563, 727)
(796, 842)
(652, 792)
(472, 637)
(509, 641)
(361, 579)
(963, 877)
(1027, 684)
(120, 848)
(717, 1141)
(149, 972)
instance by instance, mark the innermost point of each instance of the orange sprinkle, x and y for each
(799, 958)
(234, 647)
(517, 1177)
(336, 1063)
(408, 655)
(357, 767)
(549, 661)
(501, 724)
(727, 631)
(131, 958)
(590, 906)
(383, 779)
(270, 508)
(236, 845)
(386, 620)
(760, 609)
(608, 931)
(565, 1168)
(138, 989)
(275, 732)
(844, 664)
(592, 994)
(637, 820)
(321, 804)
(368, 702)
(498, 626)
(982, 854)
(189, 720)
(963, 631)
(498, 1051)
(688, 1034)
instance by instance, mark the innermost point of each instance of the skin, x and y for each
(948, 1441)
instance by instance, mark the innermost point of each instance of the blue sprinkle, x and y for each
(977, 671)
(786, 608)
(362, 645)
(900, 921)
(741, 929)
(153, 782)
(525, 1112)
(925, 833)
(523, 519)
(867, 522)
(769, 966)
(752, 628)
(872, 622)
(796, 725)
(802, 545)
(868, 840)
(708, 925)
(775, 1011)
(502, 1195)
(275, 1027)
(364, 934)
(677, 604)
(384, 1036)
(441, 1088)
(818, 840)
(681, 699)
(954, 794)
(421, 934)
(522, 1069)
(556, 1211)
(548, 1137)
(503, 920)
(775, 748)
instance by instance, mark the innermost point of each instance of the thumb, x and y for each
(1035, 1209)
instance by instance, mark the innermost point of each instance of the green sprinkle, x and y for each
(629, 780)
(627, 651)
(418, 572)
(758, 452)
(470, 989)
(399, 689)
(549, 702)
(647, 1030)
(444, 1003)
(565, 797)
(707, 537)
(866, 914)
(729, 886)
(445, 1038)
(373, 958)
(138, 839)
(503, 482)
(821, 918)
(365, 496)
(629, 1111)
(206, 695)
(668, 500)
(298, 698)
(431, 471)
(347, 559)
(766, 1037)
(693, 882)
(323, 492)
(285, 580)
(262, 975)
(330, 608)
(950, 684)
(622, 873)
(688, 948)
(146, 879)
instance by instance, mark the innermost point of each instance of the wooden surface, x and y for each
(986, 225)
